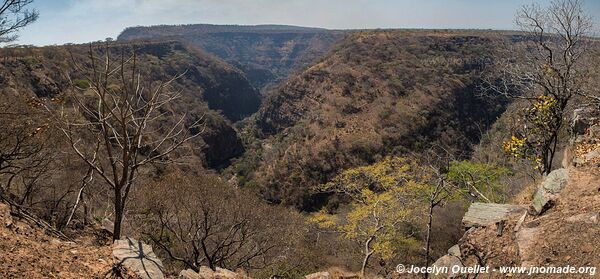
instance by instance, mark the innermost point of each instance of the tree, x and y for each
(480, 181)
(24, 157)
(385, 196)
(206, 222)
(438, 193)
(20, 148)
(548, 76)
(118, 124)
(14, 15)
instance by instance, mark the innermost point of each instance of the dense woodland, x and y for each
(280, 150)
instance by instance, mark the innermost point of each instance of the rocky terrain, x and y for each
(30, 252)
(558, 228)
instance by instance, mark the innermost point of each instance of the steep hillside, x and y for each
(377, 93)
(554, 232)
(265, 53)
(208, 86)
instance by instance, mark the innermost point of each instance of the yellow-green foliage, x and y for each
(543, 117)
(480, 180)
(81, 83)
(31, 60)
(386, 196)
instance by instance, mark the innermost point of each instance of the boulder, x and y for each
(583, 118)
(107, 225)
(455, 251)
(138, 258)
(447, 262)
(549, 189)
(485, 214)
(318, 275)
(207, 273)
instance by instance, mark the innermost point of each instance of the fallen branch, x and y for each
(19, 211)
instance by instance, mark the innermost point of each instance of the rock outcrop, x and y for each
(138, 258)
(484, 214)
(207, 273)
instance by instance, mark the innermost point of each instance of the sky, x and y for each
(80, 21)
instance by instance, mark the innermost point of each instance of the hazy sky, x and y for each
(78, 21)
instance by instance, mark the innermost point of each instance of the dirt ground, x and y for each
(26, 252)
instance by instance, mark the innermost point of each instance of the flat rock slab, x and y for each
(485, 214)
(207, 273)
(139, 258)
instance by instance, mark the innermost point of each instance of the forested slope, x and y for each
(378, 93)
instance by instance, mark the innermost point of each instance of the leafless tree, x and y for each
(209, 223)
(117, 125)
(552, 70)
(15, 15)
(24, 158)
(440, 192)
(17, 140)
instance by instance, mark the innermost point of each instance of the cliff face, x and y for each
(208, 87)
(222, 87)
(264, 53)
(378, 93)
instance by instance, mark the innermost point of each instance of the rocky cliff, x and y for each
(265, 53)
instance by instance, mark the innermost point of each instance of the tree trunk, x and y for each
(428, 240)
(368, 254)
(118, 214)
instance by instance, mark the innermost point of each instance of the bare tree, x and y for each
(24, 158)
(17, 140)
(14, 15)
(548, 75)
(208, 222)
(117, 125)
